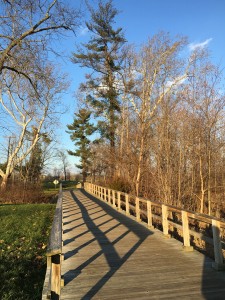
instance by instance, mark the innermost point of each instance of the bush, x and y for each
(24, 193)
(120, 184)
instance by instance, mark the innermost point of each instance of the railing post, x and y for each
(109, 196)
(105, 196)
(114, 198)
(218, 264)
(186, 233)
(118, 201)
(137, 209)
(149, 214)
(165, 221)
(127, 204)
(55, 277)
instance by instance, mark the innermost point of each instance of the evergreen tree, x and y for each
(35, 164)
(32, 169)
(102, 55)
(80, 130)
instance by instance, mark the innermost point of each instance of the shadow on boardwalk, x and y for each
(159, 269)
(213, 282)
(107, 248)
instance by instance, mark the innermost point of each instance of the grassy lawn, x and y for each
(24, 232)
(49, 187)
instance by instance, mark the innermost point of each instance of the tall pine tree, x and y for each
(102, 55)
(79, 131)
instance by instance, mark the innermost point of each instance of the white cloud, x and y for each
(177, 81)
(194, 46)
(83, 31)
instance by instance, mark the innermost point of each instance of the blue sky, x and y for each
(202, 21)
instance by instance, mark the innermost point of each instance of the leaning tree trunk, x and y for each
(4, 182)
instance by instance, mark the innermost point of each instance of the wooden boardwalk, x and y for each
(107, 255)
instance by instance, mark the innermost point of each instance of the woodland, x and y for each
(150, 119)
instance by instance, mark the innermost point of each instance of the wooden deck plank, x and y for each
(110, 256)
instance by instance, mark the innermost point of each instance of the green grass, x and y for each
(24, 232)
(50, 188)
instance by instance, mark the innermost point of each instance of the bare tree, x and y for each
(26, 26)
(64, 160)
(27, 113)
(28, 85)
(155, 73)
(206, 105)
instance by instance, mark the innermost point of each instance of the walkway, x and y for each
(110, 256)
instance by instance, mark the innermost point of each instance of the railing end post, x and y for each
(219, 260)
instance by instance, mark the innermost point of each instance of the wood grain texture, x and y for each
(108, 255)
(55, 240)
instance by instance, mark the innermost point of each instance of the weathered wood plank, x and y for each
(107, 255)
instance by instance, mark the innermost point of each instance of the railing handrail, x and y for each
(113, 197)
(52, 284)
(159, 203)
(55, 239)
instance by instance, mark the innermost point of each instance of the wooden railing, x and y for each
(53, 282)
(205, 233)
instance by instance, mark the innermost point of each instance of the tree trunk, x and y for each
(202, 186)
(209, 182)
(179, 178)
(138, 177)
(65, 174)
(4, 182)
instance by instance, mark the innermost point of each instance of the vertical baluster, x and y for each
(137, 209)
(119, 201)
(165, 223)
(105, 195)
(114, 198)
(149, 214)
(186, 233)
(127, 204)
